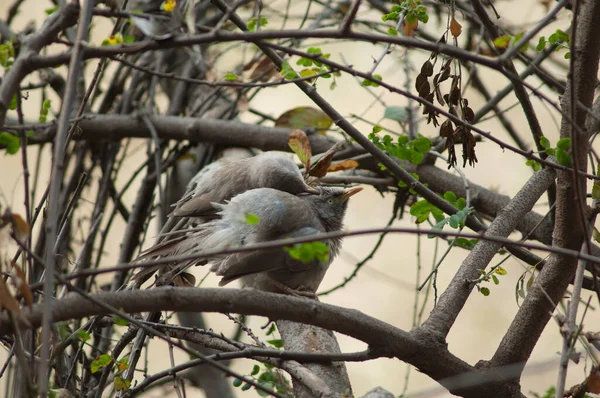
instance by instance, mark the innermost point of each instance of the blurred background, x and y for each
(385, 286)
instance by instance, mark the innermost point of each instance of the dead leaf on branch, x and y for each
(8, 301)
(21, 283)
(455, 28)
(305, 117)
(410, 27)
(300, 144)
(262, 70)
(322, 163)
(346, 164)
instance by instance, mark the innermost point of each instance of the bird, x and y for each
(159, 19)
(262, 215)
(223, 179)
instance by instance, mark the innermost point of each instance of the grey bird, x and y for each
(223, 179)
(159, 19)
(263, 215)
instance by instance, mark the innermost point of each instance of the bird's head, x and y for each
(277, 170)
(331, 204)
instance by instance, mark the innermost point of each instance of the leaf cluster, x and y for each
(456, 103)
(412, 151)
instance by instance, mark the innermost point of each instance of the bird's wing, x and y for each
(238, 265)
(162, 249)
(197, 206)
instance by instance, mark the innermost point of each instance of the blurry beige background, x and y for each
(385, 287)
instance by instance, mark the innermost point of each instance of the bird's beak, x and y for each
(349, 192)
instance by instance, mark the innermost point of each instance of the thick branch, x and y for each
(224, 132)
(31, 47)
(452, 301)
(431, 358)
(549, 287)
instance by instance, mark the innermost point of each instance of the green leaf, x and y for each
(397, 113)
(252, 219)
(231, 77)
(568, 55)
(464, 243)
(13, 102)
(422, 144)
(416, 157)
(121, 384)
(544, 142)
(564, 143)
(541, 44)
(101, 362)
(485, 291)
(502, 41)
(392, 32)
(255, 370)
(495, 279)
(44, 111)
(563, 157)
(51, 10)
(120, 321)
(377, 129)
(246, 387)
(596, 235)
(500, 271)
(306, 252)
(376, 77)
(277, 343)
(83, 335)
(237, 382)
(11, 142)
(450, 196)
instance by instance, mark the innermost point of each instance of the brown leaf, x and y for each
(300, 144)
(455, 27)
(20, 228)
(427, 69)
(304, 117)
(264, 70)
(409, 28)
(343, 165)
(593, 381)
(421, 80)
(21, 283)
(321, 165)
(8, 301)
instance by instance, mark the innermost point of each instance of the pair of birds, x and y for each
(255, 200)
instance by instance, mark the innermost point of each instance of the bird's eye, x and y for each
(330, 201)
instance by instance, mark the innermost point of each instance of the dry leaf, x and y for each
(321, 165)
(593, 381)
(343, 165)
(8, 301)
(455, 27)
(20, 227)
(300, 144)
(409, 28)
(21, 283)
(264, 70)
(304, 117)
